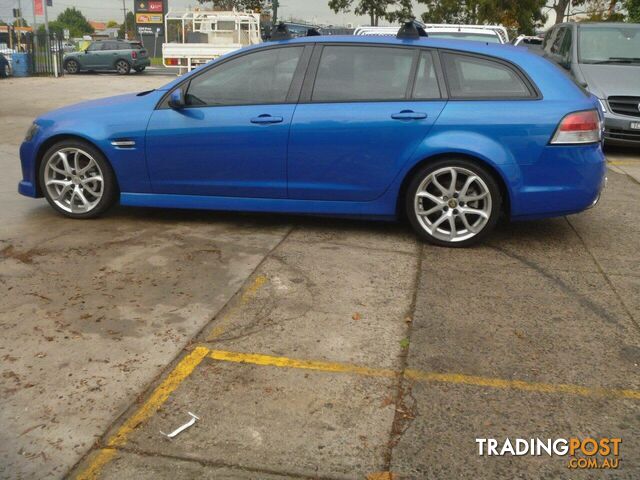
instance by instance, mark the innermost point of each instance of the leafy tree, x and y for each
(522, 16)
(112, 24)
(633, 9)
(129, 27)
(73, 20)
(375, 9)
(227, 5)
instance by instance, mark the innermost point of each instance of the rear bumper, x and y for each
(565, 180)
(141, 62)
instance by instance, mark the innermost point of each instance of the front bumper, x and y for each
(618, 131)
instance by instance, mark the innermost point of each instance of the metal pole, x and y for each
(46, 18)
(124, 13)
(33, 25)
(274, 18)
(19, 22)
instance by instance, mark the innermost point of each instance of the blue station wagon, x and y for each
(451, 134)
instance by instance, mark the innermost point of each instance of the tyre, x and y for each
(453, 202)
(77, 180)
(123, 67)
(139, 69)
(72, 66)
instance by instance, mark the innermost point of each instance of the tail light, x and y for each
(171, 61)
(579, 127)
(134, 54)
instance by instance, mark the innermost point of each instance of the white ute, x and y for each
(195, 37)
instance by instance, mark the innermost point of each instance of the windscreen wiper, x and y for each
(617, 60)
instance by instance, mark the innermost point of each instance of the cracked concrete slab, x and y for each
(440, 442)
(278, 420)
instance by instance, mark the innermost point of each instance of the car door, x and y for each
(360, 118)
(108, 55)
(92, 56)
(231, 138)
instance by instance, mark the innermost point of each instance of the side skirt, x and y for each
(382, 209)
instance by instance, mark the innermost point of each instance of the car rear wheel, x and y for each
(139, 69)
(123, 67)
(76, 180)
(72, 66)
(453, 203)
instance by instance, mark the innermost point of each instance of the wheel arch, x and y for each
(504, 191)
(115, 62)
(51, 141)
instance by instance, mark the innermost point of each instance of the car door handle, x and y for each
(265, 119)
(409, 115)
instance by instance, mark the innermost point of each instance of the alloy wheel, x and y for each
(453, 204)
(73, 180)
(72, 66)
(122, 67)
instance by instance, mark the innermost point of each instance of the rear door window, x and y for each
(361, 73)
(110, 46)
(478, 77)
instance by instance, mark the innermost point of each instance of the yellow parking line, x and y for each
(458, 378)
(257, 359)
(418, 375)
(246, 296)
(624, 162)
(155, 401)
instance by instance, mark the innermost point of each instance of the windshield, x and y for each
(609, 44)
(478, 37)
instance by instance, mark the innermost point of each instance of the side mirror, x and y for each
(176, 99)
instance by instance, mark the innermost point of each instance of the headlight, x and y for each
(33, 129)
(603, 105)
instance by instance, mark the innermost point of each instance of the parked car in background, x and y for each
(480, 33)
(451, 134)
(604, 58)
(533, 43)
(119, 55)
(4, 66)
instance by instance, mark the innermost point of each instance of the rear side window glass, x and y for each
(426, 86)
(256, 78)
(110, 46)
(474, 77)
(557, 42)
(354, 73)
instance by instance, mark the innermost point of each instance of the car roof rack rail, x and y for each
(280, 32)
(411, 30)
(313, 32)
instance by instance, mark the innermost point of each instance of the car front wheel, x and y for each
(453, 202)
(77, 180)
(123, 67)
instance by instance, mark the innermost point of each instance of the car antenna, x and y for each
(280, 32)
(411, 30)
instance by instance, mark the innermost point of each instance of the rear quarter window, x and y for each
(478, 77)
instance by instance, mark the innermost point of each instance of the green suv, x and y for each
(118, 55)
